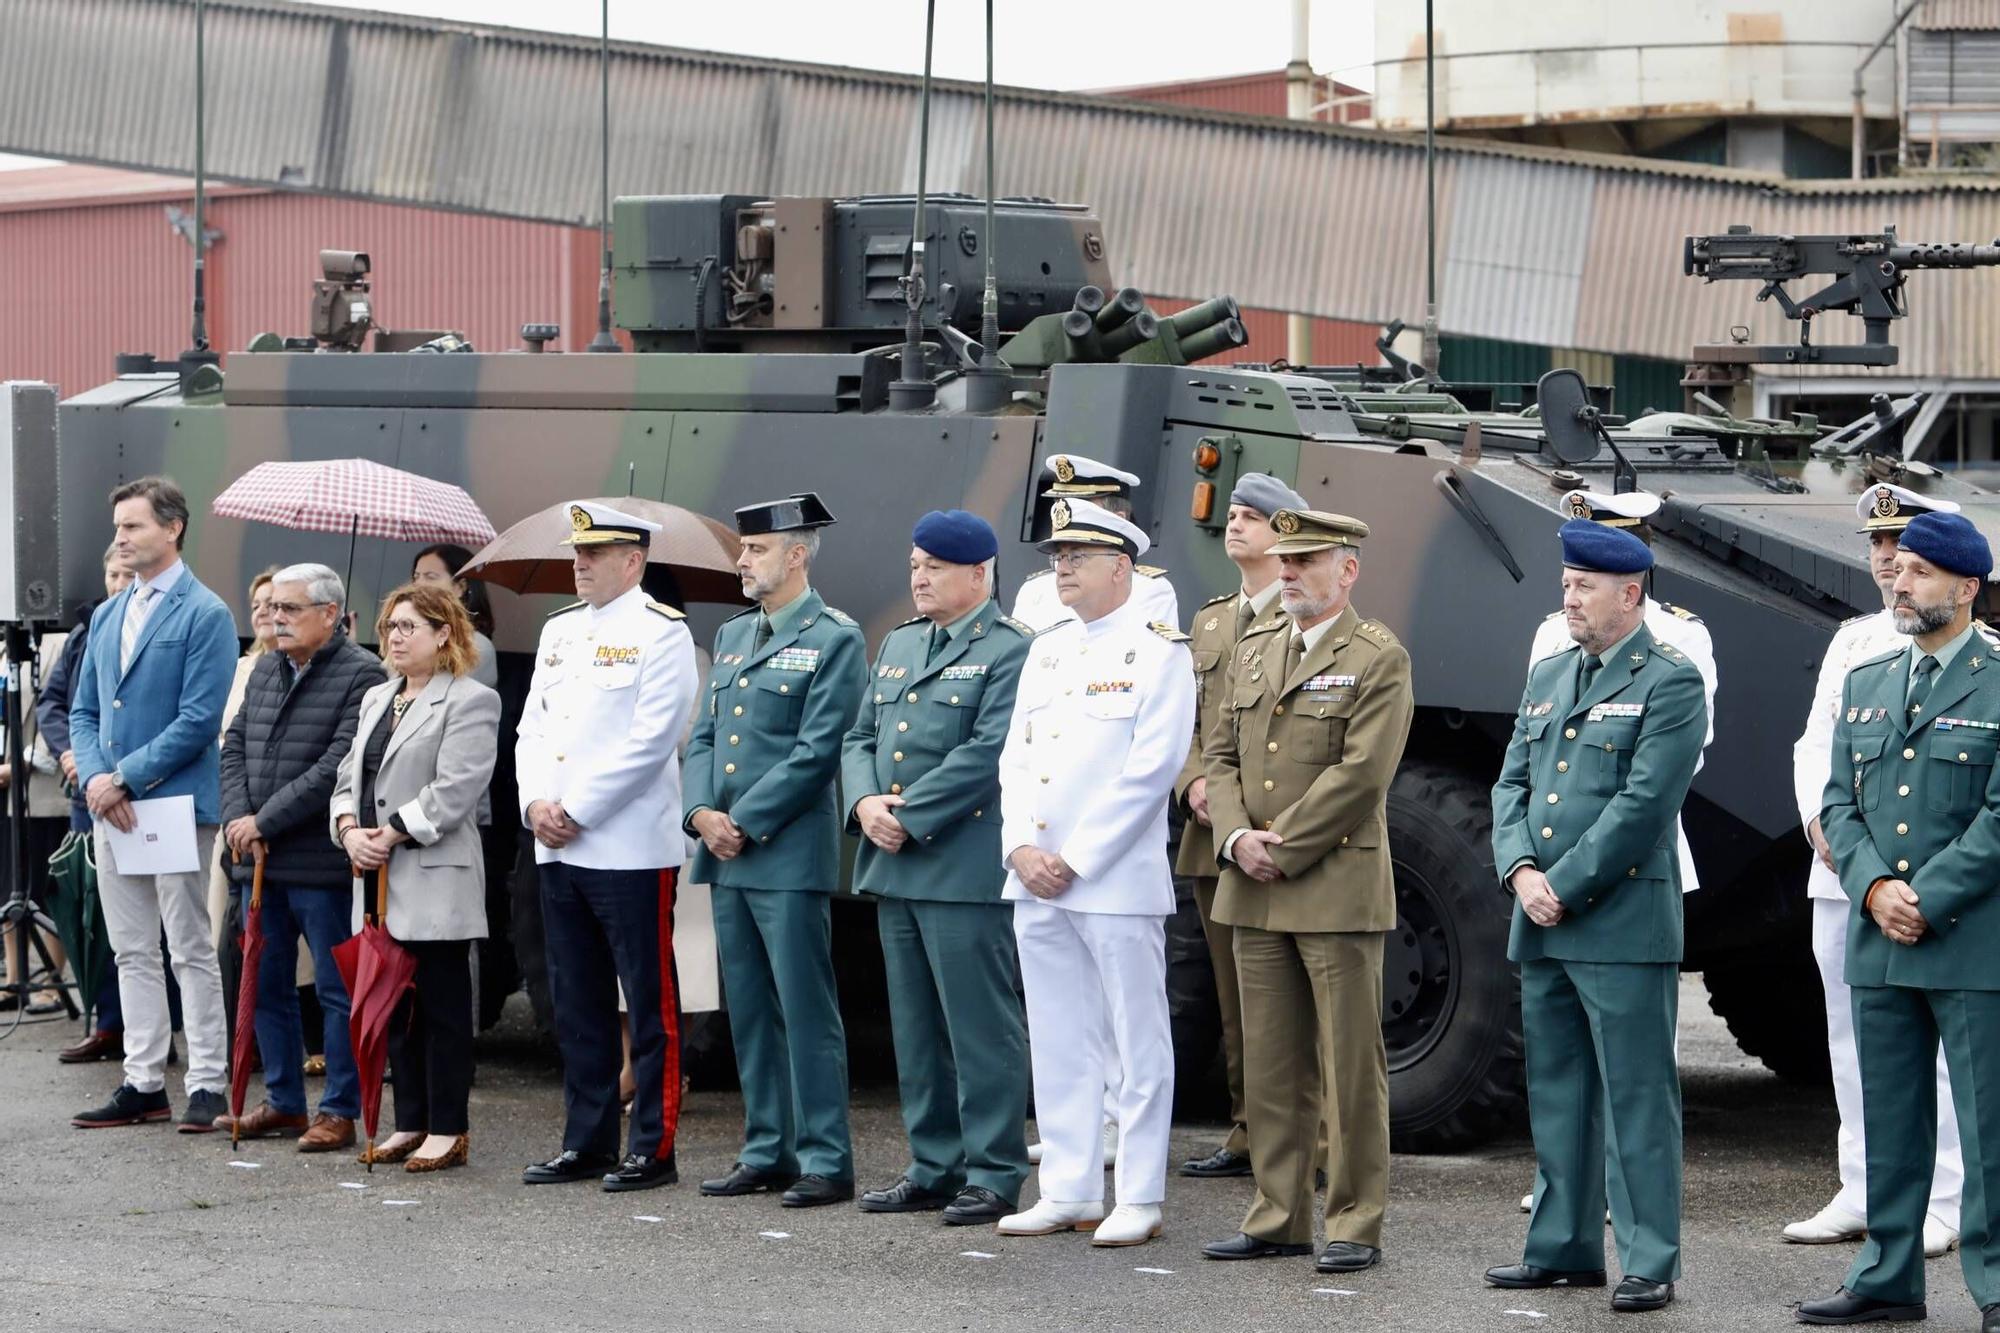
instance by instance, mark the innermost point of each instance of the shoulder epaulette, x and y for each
(1020, 627)
(1876, 660)
(1856, 620)
(1680, 611)
(1226, 597)
(1379, 633)
(1151, 571)
(1986, 631)
(840, 617)
(670, 612)
(1168, 632)
(913, 620)
(1668, 651)
(1038, 574)
(1066, 620)
(1556, 614)
(573, 606)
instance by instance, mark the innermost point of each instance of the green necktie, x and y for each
(763, 633)
(940, 636)
(1920, 687)
(1587, 674)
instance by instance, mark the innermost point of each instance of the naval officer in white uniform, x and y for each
(600, 787)
(1885, 510)
(1074, 477)
(1099, 732)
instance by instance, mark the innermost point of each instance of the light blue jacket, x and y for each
(159, 722)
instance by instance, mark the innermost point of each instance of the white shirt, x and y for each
(1099, 733)
(1692, 639)
(1037, 606)
(1812, 754)
(607, 707)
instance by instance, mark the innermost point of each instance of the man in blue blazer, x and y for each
(144, 723)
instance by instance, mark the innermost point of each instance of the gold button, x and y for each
(1903, 791)
(975, 814)
(1553, 798)
(878, 698)
(1632, 873)
(1272, 746)
(1903, 830)
(733, 740)
(1902, 865)
(786, 689)
(1857, 756)
(1343, 842)
(898, 756)
(1045, 777)
(1269, 785)
(1055, 735)
(1279, 710)
(766, 840)
(1569, 733)
(1548, 832)
(1267, 826)
(913, 696)
(1907, 754)
(738, 710)
(895, 789)
(1069, 691)
(742, 682)
(902, 726)
(954, 698)
(1041, 823)
(559, 759)
(1562, 765)
(1607, 747)
(1961, 756)
(729, 768)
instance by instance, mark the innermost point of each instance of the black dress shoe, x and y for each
(905, 1196)
(1245, 1246)
(1527, 1275)
(1221, 1162)
(204, 1108)
(744, 1179)
(1989, 1318)
(975, 1205)
(1844, 1307)
(569, 1165)
(1347, 1256)
(1641, 1293)
(812, 1191)
(128, 1106)
(639, 1172)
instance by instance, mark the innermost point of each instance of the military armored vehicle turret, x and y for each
(770, 355)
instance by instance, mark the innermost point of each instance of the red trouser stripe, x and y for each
(670, 1018)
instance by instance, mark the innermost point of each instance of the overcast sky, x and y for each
(1067, 44)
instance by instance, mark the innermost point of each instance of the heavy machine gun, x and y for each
(1867, 271)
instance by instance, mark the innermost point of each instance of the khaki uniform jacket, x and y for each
(1213, 635)
(1310, 758)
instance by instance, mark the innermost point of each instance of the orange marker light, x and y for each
(1206, 457)
(1203, 507)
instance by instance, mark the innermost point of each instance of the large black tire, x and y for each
(1451, 1002)
(1775, 1008)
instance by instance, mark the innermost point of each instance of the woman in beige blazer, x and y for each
(407, 797)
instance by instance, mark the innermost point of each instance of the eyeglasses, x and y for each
(294, 608)
(1070, 560)
(405, 628)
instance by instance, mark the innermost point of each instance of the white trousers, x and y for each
(1086, 973)
(1830, 922)
(135, 908)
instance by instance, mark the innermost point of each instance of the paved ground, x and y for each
(143, 1229)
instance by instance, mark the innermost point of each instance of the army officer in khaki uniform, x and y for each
(1299, 761)
(1217, 627)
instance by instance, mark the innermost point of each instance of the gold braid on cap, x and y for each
(1059, 514)
(1885, 502)
(1065, 470)
(1285, 522)
(579, 518)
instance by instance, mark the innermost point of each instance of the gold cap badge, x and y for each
(1285, 522)
(1059, 511)
(1065, 470)
(579, 519)
(1885, 502)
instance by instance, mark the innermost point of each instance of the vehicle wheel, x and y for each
(1451, 1002)
(1775, 1007)
(525, 903)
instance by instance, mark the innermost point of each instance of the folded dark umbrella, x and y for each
(79, 917)
(378, 972)
(243, 1050)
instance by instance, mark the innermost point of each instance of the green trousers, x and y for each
(961, 1042)
(1896, 1033)
(1602, 1082)
(784, 1017)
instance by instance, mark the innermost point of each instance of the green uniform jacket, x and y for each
(932, 735)
(1921, 804)
(766, 747)
(1588, 794)
(1212, 640)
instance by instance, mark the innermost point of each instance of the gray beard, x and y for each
(1915, 620)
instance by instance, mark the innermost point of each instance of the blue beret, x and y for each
(1950, 542)
(956, 536)
(1588, 545)
(1266, 494)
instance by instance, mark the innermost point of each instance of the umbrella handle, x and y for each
(256, 878)
(382, 895)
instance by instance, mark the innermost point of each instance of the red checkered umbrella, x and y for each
(357, 497)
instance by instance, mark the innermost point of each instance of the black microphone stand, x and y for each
(27, 924)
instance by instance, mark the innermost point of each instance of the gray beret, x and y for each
(1266, 494)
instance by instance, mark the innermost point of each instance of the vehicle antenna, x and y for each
(604, 341)
(987, 386)
(1432, 351)
(199, 353)
(913, 388)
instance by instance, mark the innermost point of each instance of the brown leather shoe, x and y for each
(103, 1045)
(263, 1121)
(327, 1133)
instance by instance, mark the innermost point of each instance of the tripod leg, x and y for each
(44, 928)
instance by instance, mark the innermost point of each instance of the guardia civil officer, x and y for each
(1218, 624)
(920, 782)
(1299, 760)
(1099, 730)
(1604, 745)
(1911, 811)
(761, 766)
(600, 791)
(1884, 510)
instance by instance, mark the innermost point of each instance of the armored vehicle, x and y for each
(770, 355)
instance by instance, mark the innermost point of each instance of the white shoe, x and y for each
(1939, 1239)
(1129, 1224)
(1110, 1144)
(1034, 1154)
(1528, 1202)
(1831, 1225)
(1049, 1216)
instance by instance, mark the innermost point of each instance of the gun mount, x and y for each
(1867, 271)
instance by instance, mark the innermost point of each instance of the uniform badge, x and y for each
(1851, 712)
(1059, 515)
(1885, 502)
(1108, 687)
(1130, 655)
(967, 671)
(1065, 470)
(552, 660)
(1286, 523)
(1210, 625)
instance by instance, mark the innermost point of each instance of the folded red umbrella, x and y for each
(378, 971)
(242, 1053)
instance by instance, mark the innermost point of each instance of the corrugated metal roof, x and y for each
(1565, 248)
(1959, 14)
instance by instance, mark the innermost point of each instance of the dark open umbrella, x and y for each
(530, 557)
(78, 916)
(243, 1050)
(378, 971)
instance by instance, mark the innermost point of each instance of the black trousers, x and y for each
(430, 1040)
